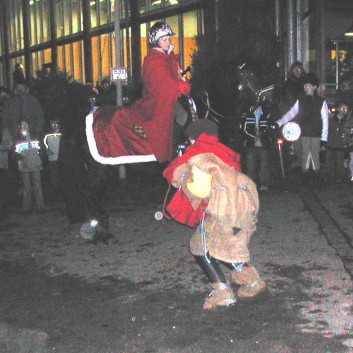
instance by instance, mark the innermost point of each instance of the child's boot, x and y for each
(222, 295)
(251, 284)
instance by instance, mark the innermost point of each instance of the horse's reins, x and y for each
(210, 109)
(241, 87)
(257, 93)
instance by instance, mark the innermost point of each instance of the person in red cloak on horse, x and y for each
(143, 132)
(214, 194)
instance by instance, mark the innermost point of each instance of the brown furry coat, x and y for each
(231, 212)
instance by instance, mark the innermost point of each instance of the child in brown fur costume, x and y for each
(214, 194)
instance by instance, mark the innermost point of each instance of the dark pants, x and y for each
(334, 164)
(258, 165)
(4, 193)
(53, 173)
(71, 172)
(82, 181)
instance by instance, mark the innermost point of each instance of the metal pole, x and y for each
(87, 42)
(299, 12)
(119, 62)
(216, 9)
(337, 62)
(305, 35)
(27, 39)
(118, 51)
(5, 45)
(53, 37)
(320, 39)
(279, 36)
(291, 33)
(277, 14)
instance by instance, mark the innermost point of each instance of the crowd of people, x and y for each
(213, 193)
(35, 156)
(323, 150)
(22, 123)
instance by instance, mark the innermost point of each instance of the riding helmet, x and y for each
(159, 30)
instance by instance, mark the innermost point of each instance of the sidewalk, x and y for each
(155, 291)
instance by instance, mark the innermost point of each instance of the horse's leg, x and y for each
(94, 187)
(70, 173)
(182, 118)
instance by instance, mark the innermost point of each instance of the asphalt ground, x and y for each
(142, 291)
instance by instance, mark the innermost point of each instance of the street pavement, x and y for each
(142, 291)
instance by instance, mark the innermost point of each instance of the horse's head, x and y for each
(251, 89)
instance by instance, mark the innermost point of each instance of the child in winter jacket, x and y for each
(30, 166)
(340, 141)
(52, 144)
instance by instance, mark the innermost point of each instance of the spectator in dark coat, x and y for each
(23, 106)
(344, 92)
(18, 75)
(285, 96)
(340, 140)
(292, 88)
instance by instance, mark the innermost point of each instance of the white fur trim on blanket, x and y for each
(111, 160)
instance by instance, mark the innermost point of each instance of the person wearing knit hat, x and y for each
(214, 196)
(201, 126)
(310, 78)
(310, 111)
(340, 141)
(284, 96)
(346, 100)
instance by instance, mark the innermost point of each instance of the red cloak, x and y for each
(110, 132)
(180, 207)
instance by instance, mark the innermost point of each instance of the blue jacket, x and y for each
(256, 129)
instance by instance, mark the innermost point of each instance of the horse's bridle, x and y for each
(257, 93)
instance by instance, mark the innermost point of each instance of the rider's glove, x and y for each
(184, 88)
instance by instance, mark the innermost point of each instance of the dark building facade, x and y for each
(78, 36)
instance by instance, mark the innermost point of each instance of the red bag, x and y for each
(181, 210)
